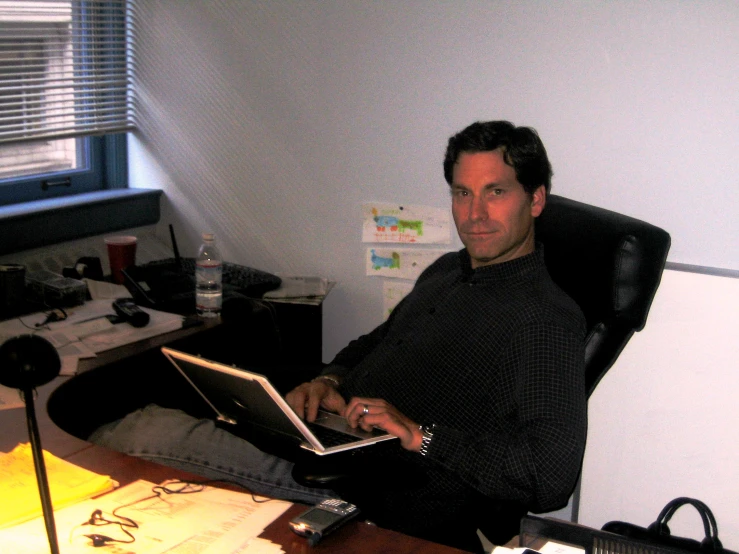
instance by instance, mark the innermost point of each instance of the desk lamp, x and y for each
(27, 362)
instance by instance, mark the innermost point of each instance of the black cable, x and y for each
(52, 316)
(98, 519)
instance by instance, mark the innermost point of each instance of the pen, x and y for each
(94, 318)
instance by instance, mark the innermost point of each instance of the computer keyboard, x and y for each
(169, 284)
(252, 282)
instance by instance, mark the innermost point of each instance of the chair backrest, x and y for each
(611, 265)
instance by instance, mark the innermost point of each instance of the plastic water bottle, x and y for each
(208, 277)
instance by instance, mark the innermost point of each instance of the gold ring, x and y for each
(366, 410)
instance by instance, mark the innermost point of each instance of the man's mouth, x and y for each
(479, 234)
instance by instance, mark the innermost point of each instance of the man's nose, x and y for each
(478, 209)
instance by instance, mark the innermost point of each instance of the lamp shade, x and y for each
(28, 361)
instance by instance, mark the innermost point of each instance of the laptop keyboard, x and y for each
(330, 437)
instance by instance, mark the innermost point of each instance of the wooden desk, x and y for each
(15, 430)
(355, 537)
(152, 343)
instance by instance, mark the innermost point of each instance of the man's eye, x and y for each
(461, 193)
(497, 192)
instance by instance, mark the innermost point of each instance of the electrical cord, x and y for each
(52, 316)
(98, 518)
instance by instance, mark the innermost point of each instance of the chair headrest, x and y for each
(609, 263)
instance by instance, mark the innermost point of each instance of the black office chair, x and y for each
(611, 265)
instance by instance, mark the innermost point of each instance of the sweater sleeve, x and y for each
(358, 349)
(535, 458)
(354, 352)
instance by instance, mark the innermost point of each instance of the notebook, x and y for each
(240, 397)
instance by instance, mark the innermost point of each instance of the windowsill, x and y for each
(45, 222)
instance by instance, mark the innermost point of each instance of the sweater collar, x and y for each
(518, 267)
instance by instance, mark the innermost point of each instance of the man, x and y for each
(478, 372)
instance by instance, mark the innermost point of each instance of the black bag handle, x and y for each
(710, 542)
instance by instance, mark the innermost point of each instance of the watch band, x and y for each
(333, 380)
(428, 434)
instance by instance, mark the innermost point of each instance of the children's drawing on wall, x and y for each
(405, 224)
(378, 262)
(392, 293)
(401, 263)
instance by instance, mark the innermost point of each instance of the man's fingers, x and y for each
(367, 413)
(308, 397)
(314, 401)
(297, 398)
(334, 402)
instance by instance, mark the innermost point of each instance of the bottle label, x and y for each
(209, 273)
(208, 288)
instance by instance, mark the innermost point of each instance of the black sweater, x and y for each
(493, 357)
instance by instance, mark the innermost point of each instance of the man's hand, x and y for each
(375, 412)
(305, 399)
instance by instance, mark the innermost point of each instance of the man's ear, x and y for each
(538, 201)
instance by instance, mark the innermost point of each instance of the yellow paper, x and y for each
(19, 491)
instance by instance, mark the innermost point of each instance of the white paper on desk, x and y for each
(58, 339)
(102, 290)
(300, 287)
(88, 323)
(208, 522)
(124, 333)
(258, 546)
(552, 547)
(71, 355)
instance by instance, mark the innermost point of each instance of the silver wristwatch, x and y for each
(428, 434)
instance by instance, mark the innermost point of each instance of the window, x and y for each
(65, 106)
(65, 97)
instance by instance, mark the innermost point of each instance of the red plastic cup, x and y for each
(121, 253)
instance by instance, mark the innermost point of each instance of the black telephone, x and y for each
(128, 311)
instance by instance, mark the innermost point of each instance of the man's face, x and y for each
(493, 214)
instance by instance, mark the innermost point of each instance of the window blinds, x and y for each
(65, 69)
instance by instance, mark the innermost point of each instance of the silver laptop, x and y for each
(242, 397)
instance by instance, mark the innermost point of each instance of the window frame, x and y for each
(96, 152)
(95, 176)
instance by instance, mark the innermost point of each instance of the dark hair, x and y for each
(522, 150)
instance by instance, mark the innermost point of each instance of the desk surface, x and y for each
(122, 352)
(355, 537)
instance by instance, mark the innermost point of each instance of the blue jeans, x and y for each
(175, 439)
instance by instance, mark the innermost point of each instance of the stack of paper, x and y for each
(87, 330)
(68, 484)
(213, 521)
(301, 290)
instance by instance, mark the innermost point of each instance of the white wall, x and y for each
(270, 122)
(663, 422)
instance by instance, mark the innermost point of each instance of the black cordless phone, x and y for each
(129, 311)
